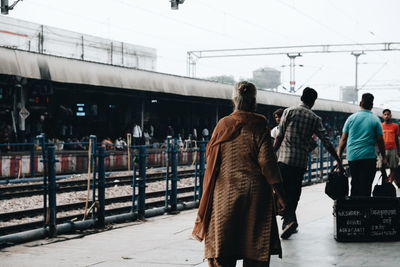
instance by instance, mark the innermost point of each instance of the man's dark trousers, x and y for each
(362, 176)
(292, 182)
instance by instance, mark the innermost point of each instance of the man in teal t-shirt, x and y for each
(361, 132)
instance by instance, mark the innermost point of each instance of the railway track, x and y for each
(33, 213)
(10, 192)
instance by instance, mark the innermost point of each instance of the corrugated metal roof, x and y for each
(65, 70)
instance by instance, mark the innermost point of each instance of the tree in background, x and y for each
(222, 79)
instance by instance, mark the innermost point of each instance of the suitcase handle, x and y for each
(383, 177)
(335, 167)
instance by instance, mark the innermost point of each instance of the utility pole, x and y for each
(292, 58)
(191, 65)
(356, 55)
(292, 52)
(41, 40)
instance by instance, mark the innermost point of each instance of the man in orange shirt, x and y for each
(391, 137)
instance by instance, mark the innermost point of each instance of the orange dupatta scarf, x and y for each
(226, 130)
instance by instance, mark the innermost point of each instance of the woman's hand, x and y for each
(280, 205)
(279, 197)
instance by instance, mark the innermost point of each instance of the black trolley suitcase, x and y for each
(358, 219)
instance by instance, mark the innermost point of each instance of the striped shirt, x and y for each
(297, 126)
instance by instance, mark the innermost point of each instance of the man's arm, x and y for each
(381, 146)
(396, 139)
(342, 144)
(381, 142)
(332, 151)
(323, 136)
(278, 142)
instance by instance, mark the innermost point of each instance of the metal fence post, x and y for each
(196, 179)
(174, 180)
(41, 140)
(310, 155)
(167, 172)
(93, 139)
(202, 165)
(134, 179)
(142, 182)
(101, 188)
(32, 159)
(52, 191)
(321, 160)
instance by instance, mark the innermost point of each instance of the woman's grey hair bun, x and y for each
(244, 96)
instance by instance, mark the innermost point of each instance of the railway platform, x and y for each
(166, 241)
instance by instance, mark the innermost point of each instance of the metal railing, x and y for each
(143, 202)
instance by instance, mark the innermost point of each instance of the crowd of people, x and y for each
(254, 174)
(137, 137)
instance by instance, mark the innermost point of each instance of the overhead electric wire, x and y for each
(333, 30)
(101, 22)
(320, 23)
(310, 77)
(180, 21)
(351, 18)
(189, 24)
(373, 75)
(247, 21)
(178, 42)
(313, 19)
(348, 16)
(20, 25)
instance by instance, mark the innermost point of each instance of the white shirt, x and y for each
(205, 132)
(137, 131)
(275, 131)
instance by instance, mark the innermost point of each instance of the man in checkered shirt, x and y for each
(297, 126)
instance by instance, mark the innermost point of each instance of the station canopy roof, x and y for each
(65, 70)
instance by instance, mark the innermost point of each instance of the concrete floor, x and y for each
(166, 241)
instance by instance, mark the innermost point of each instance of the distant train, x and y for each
(70, 99)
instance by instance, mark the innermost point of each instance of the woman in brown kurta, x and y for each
(236, 216)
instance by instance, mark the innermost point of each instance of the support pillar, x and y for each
(101, 188)
(52, 192)
(292, 58)
(356, 55)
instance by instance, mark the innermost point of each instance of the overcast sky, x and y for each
(210, 24)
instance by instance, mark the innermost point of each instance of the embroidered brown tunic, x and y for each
(242, 221)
